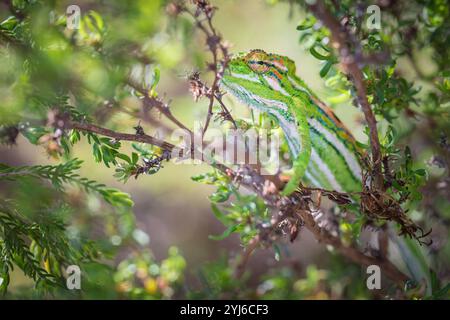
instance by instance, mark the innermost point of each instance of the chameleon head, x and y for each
(260, 79)
(265, 82)
(259, 62)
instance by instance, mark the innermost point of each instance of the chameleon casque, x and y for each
(324, 153)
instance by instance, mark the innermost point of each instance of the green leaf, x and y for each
(107, 155)
(34, 134)
(134, 157)
(221, 195)
(110, 142)
(306, 24)
(97, 152)
(226, 233)
(325, 69)
(124, 157)
(155, 79)
(317, 55)
(9, 23)
(219, 214)
(98, 20)
(362, 145)
(74, 137)
(421, 172)
(204, 178)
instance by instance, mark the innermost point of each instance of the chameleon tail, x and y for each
(413, 258)
(302, 160)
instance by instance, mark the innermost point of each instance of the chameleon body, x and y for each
(324, 152)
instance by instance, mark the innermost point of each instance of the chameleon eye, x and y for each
(258, 66)
(256, 61)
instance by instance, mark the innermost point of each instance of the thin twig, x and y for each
(159, 105)
(218, 66)
(245, 257)
(144, 138)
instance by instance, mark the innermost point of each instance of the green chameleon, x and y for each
(324, 152)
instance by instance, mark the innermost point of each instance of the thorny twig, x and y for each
(220, 56)
(152, 165)
(160, 105)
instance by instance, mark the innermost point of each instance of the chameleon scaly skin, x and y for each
(324, 152)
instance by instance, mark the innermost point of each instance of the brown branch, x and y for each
(144, 138)
(350, 252)
(159, 105)
(225, 114)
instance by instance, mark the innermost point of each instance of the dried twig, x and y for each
(220, 56)
(143, 138)
(160, 105)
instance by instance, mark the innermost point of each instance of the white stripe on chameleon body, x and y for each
(311, 169)
(275, 85)
(333, 140)
(297, 86)
(271, 105)
(258, 102)
(245, 77)
(326, 171)
(291, 134)
(241, 91)
(312, 179)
